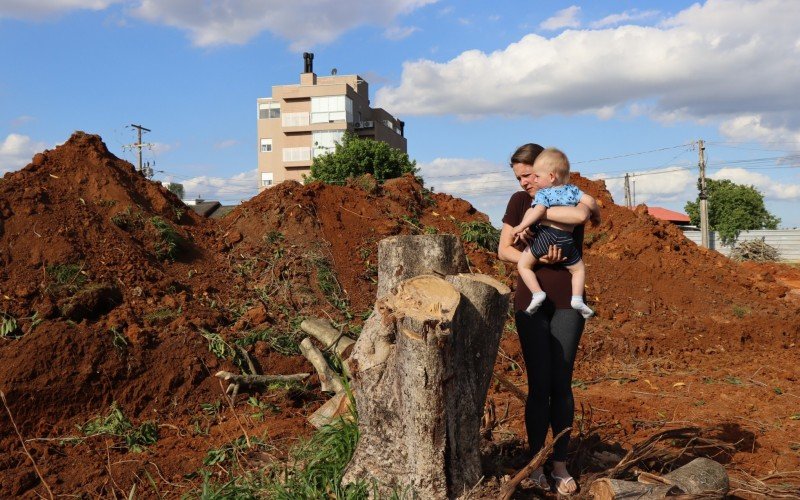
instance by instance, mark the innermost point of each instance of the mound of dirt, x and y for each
(114, 291)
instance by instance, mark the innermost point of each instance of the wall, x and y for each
(786, 241)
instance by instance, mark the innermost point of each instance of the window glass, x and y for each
(266, 145)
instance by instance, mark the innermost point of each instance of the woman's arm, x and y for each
(506, 251)
(573, 216)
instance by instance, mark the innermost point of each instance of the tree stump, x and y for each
(422, 367)
(403, 257)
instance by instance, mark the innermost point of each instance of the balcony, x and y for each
(296, 157)
(295, 119)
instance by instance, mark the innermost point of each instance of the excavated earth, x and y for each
(114, 292)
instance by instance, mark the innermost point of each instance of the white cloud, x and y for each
(565, 18)
(770, 188)
(229, 189)
(711, 62)
(40, 9)
(399, 32)
(465, 177)
(654, 187)
(17, 150)
(161, 148)
(624, 17)
(305, 23)
(754, 127)
(227, 143)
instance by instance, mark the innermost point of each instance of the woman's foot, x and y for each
(540, 479)
(565, 483)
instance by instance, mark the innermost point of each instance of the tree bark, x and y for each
(422, 368)
(403, 257)
(701, 476)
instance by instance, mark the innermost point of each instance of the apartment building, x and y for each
(301, 121)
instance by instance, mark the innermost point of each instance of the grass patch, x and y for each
(740, 311)
(116, 424)
(318, 466)
(168, 244)
(65, 277)
(283, 343)
(327, 282)
(482, 234)
(8, 326)
(162, 315)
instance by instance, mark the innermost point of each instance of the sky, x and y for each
(620, 86)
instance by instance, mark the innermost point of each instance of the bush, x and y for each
(483, 234)
(355, 156)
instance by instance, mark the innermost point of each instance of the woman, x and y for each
(550, 337)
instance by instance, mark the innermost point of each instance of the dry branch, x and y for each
(511, 486)
(328, 336)
(328, 380)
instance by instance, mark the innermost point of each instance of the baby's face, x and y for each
(543, 176)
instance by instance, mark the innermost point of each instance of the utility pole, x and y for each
(703, 194)
(139, 145)
(628, 191)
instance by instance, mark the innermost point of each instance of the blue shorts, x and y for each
(547, 236)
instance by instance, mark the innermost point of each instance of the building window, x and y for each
(269, 110)
(266, 145)
(324, 141)
(331, 108)
(266, 179)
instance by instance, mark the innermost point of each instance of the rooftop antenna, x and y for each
(334, 71)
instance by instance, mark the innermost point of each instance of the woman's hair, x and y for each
(526, 154)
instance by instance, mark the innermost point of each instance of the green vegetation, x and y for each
(118, 340)
(282, 343)
(128, 219)
(8, 326)
(117, 424)
(740, 311)
(327, 282)
(319, 465)
(482, 234)
(732, 208)
(218, 346)
(65, 277)
(162, 315)
(177, 189)
(355, 156)
(168, 244)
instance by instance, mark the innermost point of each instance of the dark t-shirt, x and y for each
(554, 279)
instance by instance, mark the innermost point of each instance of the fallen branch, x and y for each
(328, 380)
(25, 448)
(329, 337)
(516, 391)
(511, 486)
(236, 382)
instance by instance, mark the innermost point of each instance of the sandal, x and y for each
(561, 483)
(541, 482)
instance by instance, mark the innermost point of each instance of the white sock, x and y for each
(577, 303)
(536, 301)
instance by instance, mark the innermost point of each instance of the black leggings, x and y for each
(549, 342)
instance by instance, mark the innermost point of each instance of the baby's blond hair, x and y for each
(556, 162)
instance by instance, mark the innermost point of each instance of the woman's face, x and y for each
(524, 174)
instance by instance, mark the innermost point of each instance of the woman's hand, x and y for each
(553, 256)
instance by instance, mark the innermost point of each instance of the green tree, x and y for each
(177, 189)
(355, 156)
(732, 208)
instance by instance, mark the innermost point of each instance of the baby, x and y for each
(550, 175)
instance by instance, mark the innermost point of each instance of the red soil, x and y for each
(681, 334)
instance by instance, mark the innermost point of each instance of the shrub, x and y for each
(483, 234)
(354, 157)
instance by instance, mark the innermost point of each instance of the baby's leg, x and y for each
(578, 271)
(525, 267)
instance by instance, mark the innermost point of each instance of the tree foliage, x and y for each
(732, 208)
(355, 156)
(177, 189)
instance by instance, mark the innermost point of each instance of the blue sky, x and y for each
(620, 86)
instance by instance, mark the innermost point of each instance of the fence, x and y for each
(785, 241)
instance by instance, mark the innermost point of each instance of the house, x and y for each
(209, 209)
(664, 214)
(301, 121)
